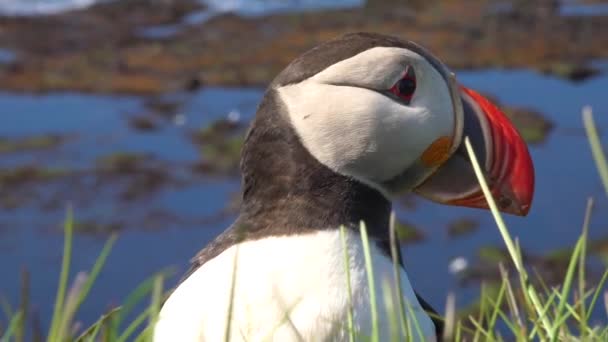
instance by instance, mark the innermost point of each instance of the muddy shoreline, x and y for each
(102, 49)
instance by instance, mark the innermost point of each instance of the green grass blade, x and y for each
(479, 330)
(70, 306)
(136, 296)
(499, 299)
(97, 267)
(286, 319)
(390, 309)
(513, 307)
(349, 322)
(136, 323)
(397, 273)
(567, 285)
(481, 309)
(511, 325)
(513, 252)
(143, 290)
(63, 277)
(371, 283)
(91, 332)
(544, 313)
(80, 291)
(24, 305)
(153, 310)
(13, 325)
(408, 329)
(596, 146)
(231, 300)
(458, 333)
(157, 297)
(415, 320)
(502, 227)
(596, 294)
(6, 308)
(145, 335)
(571, 311)
(582, 265)
(450, 317)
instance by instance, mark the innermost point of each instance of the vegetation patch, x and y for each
(220, 146)
(462, 226)
(97, 50)
(33, 143)
(408, 233)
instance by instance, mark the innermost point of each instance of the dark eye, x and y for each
(406, 86)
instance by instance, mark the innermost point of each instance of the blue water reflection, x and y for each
(30, 237)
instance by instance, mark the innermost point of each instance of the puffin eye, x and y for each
(405, 88)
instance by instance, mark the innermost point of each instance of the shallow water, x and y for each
(243, 7)
(31, 237)
(42, 7)
(7, 56)
(574, 9)
(261, 7)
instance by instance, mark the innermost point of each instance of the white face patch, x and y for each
(348, 121)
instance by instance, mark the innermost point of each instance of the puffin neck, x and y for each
(287, 191)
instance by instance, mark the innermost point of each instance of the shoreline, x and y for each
(101, 49)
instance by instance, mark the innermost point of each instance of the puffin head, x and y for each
(389, 114)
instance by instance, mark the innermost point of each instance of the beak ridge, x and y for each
(503, 155)
(511, 175)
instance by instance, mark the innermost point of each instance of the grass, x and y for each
(69, 299)
(519, 308)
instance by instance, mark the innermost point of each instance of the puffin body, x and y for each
(299, 296)
(345, 128)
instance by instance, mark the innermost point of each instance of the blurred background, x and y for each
(134, 112)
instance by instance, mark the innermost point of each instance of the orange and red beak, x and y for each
(502, 153)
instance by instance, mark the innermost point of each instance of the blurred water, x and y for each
(42, 7)
(260, 7)
(7, 56)
(574, 9)
(30, 236)
(244, 7)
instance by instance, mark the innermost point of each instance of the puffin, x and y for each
(343, 130)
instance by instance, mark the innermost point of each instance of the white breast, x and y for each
(288, 288)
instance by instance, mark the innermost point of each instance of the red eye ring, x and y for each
(405, 88)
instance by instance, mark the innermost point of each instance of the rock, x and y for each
(39, 142)
(531, 124)
(575, 72)
(462, 226)
(14, 177)
(143, 124)
(408, 233)
(493, 255)
(220, 145)
(94, 227)
(138, 175)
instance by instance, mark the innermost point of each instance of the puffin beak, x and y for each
(502, 154)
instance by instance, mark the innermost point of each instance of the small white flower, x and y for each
(458, 265)
(179, 119)
(234, 116)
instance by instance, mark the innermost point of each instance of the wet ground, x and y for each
(131, 46)
(160, 168)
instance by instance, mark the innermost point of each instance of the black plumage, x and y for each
(285, 190)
